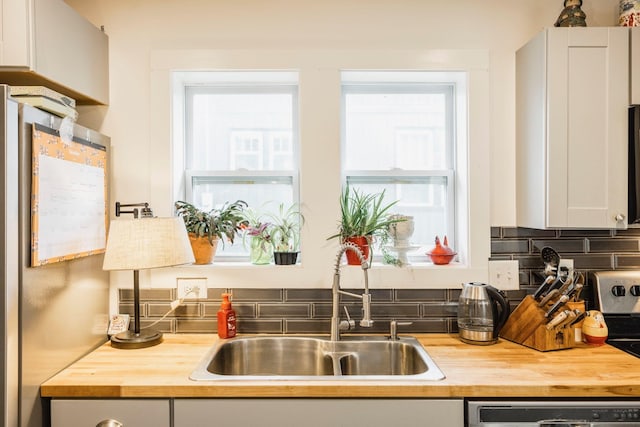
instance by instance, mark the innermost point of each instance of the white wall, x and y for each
(138, 27)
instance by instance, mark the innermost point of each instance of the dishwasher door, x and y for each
(553, 414)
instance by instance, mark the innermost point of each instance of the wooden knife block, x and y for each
(526, 326)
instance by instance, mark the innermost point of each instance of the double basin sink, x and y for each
(309, 358)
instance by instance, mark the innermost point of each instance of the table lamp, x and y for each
(137, 244)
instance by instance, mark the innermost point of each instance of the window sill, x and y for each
(221, 274)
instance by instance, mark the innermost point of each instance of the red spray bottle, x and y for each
(226, 319)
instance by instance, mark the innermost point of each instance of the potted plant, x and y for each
(363, 216)
(285, 230)
(259, 234)
(206, 228)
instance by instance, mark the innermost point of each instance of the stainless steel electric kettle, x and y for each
(482, 311)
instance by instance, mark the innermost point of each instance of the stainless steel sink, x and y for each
(317, 358)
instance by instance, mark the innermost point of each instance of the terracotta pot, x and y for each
(203, 250)
(363, 244)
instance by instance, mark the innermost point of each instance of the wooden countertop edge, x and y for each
(333, 391)
(504, 369)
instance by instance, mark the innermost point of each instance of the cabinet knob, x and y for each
(620, 217)
(109, 423)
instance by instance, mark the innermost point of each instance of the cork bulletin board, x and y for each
(69, 212)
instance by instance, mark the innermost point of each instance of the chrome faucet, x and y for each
(336, 324)
(393, 329)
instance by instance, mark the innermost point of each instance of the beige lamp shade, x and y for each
(137, 244)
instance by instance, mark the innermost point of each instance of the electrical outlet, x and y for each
(566, 263)
(192, 288)
(504, 275)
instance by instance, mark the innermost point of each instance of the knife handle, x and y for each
(579, 316)
(566, 286)
(556, 321)
(557, 305)
(548, 297)
(542, 288)
(571, 315)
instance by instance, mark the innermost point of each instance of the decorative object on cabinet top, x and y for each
(629, 13)
(572, 15)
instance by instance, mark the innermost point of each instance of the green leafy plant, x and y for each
(285, 228)
(363, 214)
(214, 224)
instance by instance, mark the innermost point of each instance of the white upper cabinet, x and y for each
(572, 96)
(47, 43)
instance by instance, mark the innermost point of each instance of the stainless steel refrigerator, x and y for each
(50, 315)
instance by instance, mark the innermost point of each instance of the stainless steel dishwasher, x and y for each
(553, 413)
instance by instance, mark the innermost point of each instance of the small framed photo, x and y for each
(118, 323)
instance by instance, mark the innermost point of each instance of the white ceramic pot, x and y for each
(402, 231)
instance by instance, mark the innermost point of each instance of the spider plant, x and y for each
(285, 228)
(363, 214)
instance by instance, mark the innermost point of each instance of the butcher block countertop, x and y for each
(500, 370)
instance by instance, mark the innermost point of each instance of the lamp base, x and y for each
(131, 340)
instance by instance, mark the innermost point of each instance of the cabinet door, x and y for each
(129, 412)
(587, 100)
(318, 412)
(46, 42)
(15, 43)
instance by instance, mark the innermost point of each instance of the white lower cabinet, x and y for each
(319, 412)
(98, 412)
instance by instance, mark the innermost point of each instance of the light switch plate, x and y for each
(504, 275)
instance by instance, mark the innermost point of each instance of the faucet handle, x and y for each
(393, 328)
(348, 324)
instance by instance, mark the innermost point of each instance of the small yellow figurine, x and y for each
(571, 15)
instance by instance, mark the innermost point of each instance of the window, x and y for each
(307, 160)
(240, 140)
(399, 136)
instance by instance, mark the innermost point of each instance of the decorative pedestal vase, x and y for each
(260, 252)
(401, 232)
(285, 258)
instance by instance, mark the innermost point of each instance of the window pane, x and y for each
(232, 131)
(386, 130)
(210, 192)
(240, 134)
(423, 198)
(398, 136)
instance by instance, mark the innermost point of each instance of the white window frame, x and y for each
(192, 83)
(362, 82)
(320, 172)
